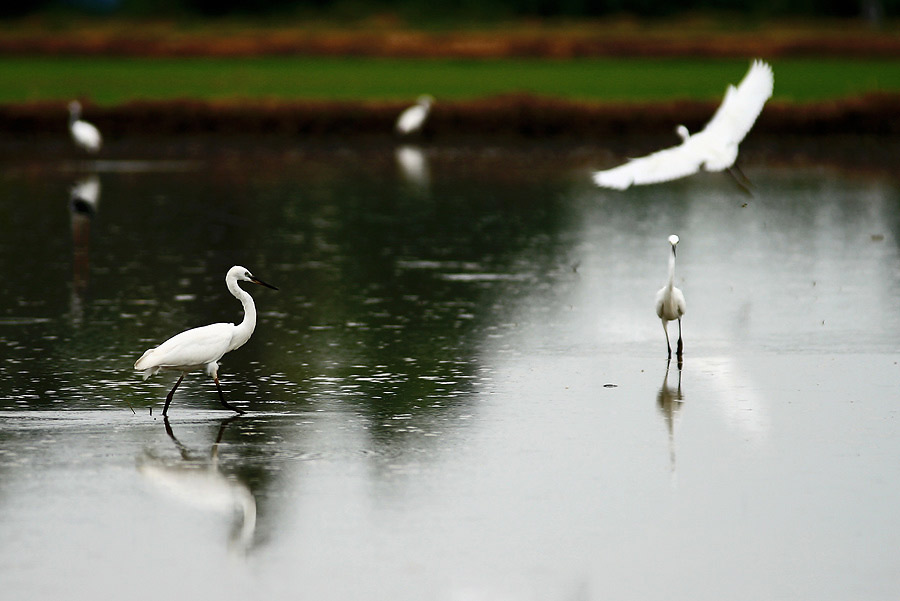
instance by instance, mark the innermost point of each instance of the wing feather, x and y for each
(742, 105)
(661, 166)
(192, 348)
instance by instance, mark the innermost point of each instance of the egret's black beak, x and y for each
(256, 280)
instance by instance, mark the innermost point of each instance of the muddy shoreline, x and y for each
(501, 116)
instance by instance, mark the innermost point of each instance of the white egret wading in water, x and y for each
(715, 148)
(670, 302)
(412, 119)
(201, 348)
(83, 133)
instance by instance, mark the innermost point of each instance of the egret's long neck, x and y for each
(243, 330)
(671, 283)
(73, 116)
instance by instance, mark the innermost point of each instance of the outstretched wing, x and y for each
(741, 105)
(661, 166)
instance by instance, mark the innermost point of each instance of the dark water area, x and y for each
(460, 389)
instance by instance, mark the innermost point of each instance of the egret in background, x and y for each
(670, 303)
(85, 134)
(203, 347)
(412, 119)
(715, 148)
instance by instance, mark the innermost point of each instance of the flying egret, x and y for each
(670, 302)
(412, 119)
(203, 347)
(85, 134)
(715, 148)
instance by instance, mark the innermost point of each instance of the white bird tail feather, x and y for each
(145, 365)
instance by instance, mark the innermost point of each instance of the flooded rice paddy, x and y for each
(460, 391)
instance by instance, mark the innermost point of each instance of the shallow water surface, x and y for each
(460, 390)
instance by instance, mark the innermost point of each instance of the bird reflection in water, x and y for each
(197, 481)
(669, 400)
(84, 200)
(413, 167)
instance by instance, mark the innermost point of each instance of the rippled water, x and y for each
(460, 390)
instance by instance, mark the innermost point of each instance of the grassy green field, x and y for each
(111, 81)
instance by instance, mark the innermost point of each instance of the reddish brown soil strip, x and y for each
(678, 39)
(509, 115)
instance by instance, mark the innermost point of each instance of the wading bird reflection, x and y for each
(203, 347)
(84, 199)
(198, 481)
(414, 167)
(83, 133)
(413, 119)
(669, 401)
(670, 303)
(715, 148)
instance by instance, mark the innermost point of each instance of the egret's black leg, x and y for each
(680, 349)
(222, 397)
(668, 344)
(172, 392)
(740, 180)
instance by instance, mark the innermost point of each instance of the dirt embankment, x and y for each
(613, 38)
(513, 115)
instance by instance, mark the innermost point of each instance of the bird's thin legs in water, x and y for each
(680, 349)
(741, 180)
(668, 344)
(172, 392)
(222, 397)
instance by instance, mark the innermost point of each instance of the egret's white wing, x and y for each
(87, 135)
(741, 105)
(411, 119)
(661, 166)
(191, 348)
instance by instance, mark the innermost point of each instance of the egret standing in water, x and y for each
(670, 303)
(201, 348)
(715, 148)
(85, 134)
(412, 119)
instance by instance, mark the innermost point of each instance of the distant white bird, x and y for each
(412, 119)
(670, 302)
(713, 149)
(85, 134)
(203, 347)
